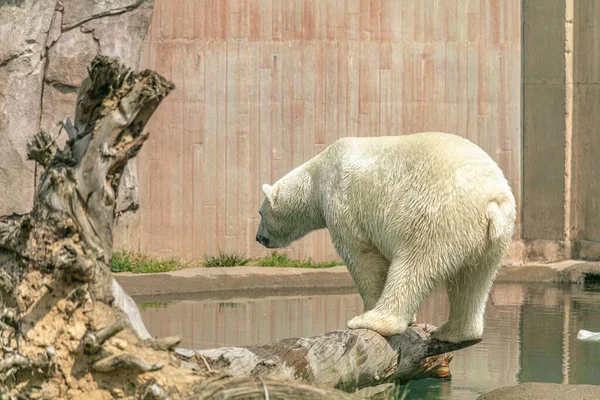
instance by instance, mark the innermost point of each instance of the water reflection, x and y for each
(530, 332)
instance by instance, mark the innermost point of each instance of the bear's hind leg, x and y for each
(405, 288)
(368, 269)
(468, 292)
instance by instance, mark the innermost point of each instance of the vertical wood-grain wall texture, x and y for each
(264, 85)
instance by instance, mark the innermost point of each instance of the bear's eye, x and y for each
(260, 213)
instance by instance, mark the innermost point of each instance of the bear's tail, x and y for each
(501, 220)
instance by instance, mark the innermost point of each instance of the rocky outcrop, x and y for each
(24, 27)
(45, 49)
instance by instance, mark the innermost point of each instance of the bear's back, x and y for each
(424, 144)
(434, 181)
(422, 154)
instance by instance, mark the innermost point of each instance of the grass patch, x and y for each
(225, 260)
(138, 263)
(283, 261)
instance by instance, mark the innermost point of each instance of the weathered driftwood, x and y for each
(67, 329)
(348, 359)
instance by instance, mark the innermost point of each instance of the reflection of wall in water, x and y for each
(550, 349)
(541, 346)
(584, 313)
(245, 322)
(495, 363)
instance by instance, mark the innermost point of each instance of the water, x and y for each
(530, 332)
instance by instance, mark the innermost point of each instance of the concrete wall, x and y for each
(544, 127)
(561, 73)
(585, 199)
(262, 86)
(544, 120)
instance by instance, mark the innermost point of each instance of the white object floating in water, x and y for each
(588, 336)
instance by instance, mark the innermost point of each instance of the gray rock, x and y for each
(59, 103)
(78, 11)
(55, 27)
(24, 27)
(122, 35)
(69, 58)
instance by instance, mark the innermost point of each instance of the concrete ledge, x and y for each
(542, 273)
(256, 281)
(543, 391)
(587, 250)
(246, 281)
(541, 251)
(571, 271)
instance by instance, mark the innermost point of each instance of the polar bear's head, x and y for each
(285, 215)
(275, 222)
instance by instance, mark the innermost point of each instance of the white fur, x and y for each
(406, 213)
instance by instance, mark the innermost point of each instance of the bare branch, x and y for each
(67, 124)
(41, 148)
(18, 361)
(14, 229)
(153, 391)
(125, 361)
(92, 342)
(166, 343)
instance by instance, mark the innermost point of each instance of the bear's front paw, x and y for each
(447, 334)
(385, 325)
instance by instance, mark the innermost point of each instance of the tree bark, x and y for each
(68, 330)
(66, 323)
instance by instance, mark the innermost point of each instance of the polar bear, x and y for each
(406, 213)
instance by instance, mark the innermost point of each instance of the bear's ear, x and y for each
(269, 192)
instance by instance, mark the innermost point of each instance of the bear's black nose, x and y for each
(262, 240)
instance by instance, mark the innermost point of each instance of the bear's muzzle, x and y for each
(262, 240)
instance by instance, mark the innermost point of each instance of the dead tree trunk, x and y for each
(347, 360)
(68, 330)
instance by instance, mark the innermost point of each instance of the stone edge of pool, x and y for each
(257, 280)
(543, 391)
